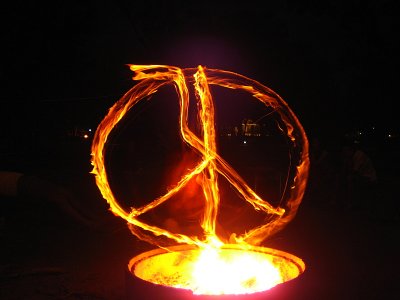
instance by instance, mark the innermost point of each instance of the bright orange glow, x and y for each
(216, 271)
(207, 171)
(227, 270)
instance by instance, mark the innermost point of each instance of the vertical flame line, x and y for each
(210, 174)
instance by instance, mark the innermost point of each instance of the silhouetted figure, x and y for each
(360, 177)
(322, 177)
(16, 185)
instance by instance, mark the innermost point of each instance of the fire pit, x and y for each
(230, 270)
(209, 263)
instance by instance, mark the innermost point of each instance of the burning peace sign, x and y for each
(212, 165)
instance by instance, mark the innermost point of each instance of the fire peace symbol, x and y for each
(212, 164)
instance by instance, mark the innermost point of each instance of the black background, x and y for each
(334, 62)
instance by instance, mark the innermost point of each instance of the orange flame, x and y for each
(227, 270)
(211, 165)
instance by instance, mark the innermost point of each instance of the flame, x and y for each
(216, 272)
(231, 269)
(208, 169)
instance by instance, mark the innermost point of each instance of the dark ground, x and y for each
(46, 254)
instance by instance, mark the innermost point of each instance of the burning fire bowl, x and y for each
(169, 273)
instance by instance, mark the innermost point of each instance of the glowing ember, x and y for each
(210, 266)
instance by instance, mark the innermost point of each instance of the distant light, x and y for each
(244, 142)
(389, 135)
(90, 130)
(85, 136)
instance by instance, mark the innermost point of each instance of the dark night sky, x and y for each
(334, 62)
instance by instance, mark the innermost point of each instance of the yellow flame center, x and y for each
(211, 271)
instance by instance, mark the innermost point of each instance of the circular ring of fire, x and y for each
(212, 164)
